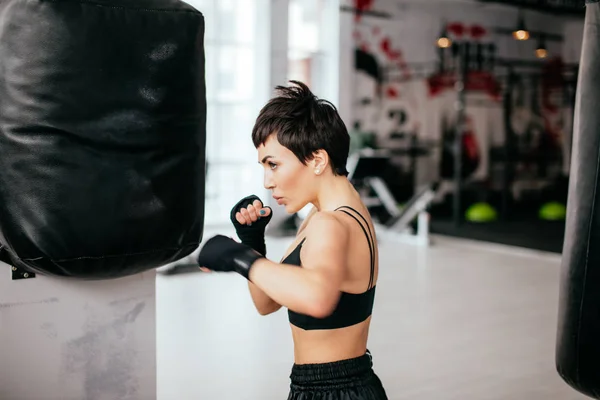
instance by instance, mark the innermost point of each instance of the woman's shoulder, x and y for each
(341, 218)
(325, 221)
(325, 232)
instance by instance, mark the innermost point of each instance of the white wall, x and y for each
(417, 23)
(72, 340)
(415, 26)
(409, 36)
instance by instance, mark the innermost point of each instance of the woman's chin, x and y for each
(291, 208)
(295, 208)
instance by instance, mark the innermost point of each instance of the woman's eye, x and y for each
(272, 165)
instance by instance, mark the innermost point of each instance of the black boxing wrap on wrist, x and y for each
(251, 235)
(223, 254)
(244, 260)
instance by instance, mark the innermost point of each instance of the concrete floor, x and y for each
(459, 320)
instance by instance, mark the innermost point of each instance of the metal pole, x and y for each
(508, 172)
(462, 70)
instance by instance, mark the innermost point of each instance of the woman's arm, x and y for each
(263, 303)
(313, 289)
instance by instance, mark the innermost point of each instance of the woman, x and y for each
(327, 279)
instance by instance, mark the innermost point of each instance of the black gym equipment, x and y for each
(578, 336)
(364, 169)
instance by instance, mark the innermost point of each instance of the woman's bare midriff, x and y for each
(322, 346)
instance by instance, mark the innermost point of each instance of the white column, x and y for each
(63, 339)
(278, 56)
(279, 16)
(346, 65)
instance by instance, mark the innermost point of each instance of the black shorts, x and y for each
(352, 379)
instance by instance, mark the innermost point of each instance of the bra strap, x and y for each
(361, 217)
(369, 237)
(364, 220)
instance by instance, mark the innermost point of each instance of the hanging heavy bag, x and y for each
(578, 335)
(102, 135)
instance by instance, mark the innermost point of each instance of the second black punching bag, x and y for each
(578, 339)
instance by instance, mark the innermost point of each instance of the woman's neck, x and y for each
(334, 192)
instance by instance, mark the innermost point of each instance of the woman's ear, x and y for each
(320, 161)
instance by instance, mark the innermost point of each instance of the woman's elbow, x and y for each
(264, 311)
(323, 306)
(267, 310)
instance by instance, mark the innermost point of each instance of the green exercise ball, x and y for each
(553, 211)
(481, 212)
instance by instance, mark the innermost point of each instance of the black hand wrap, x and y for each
(251, 235)
(223, 254)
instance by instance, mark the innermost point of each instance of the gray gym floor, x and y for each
(460, 320)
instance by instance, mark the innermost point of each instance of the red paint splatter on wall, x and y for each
(457, 29)
(362, 6)
(478, 31)
(391, 92)
(386, 47)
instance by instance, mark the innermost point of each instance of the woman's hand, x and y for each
(250, 214)
(250, 218)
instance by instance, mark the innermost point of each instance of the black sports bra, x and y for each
(351, 308)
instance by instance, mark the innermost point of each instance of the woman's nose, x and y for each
(268, 181)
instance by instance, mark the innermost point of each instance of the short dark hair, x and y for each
(304, 124)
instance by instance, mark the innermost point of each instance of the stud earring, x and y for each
(318, 171)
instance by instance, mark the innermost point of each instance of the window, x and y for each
(313, 46)
(240, 70)
(235, 40)
(313, 49)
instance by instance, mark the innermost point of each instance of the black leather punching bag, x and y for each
(102, 135)
(578, 339)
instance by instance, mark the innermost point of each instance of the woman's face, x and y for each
(291, 182)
